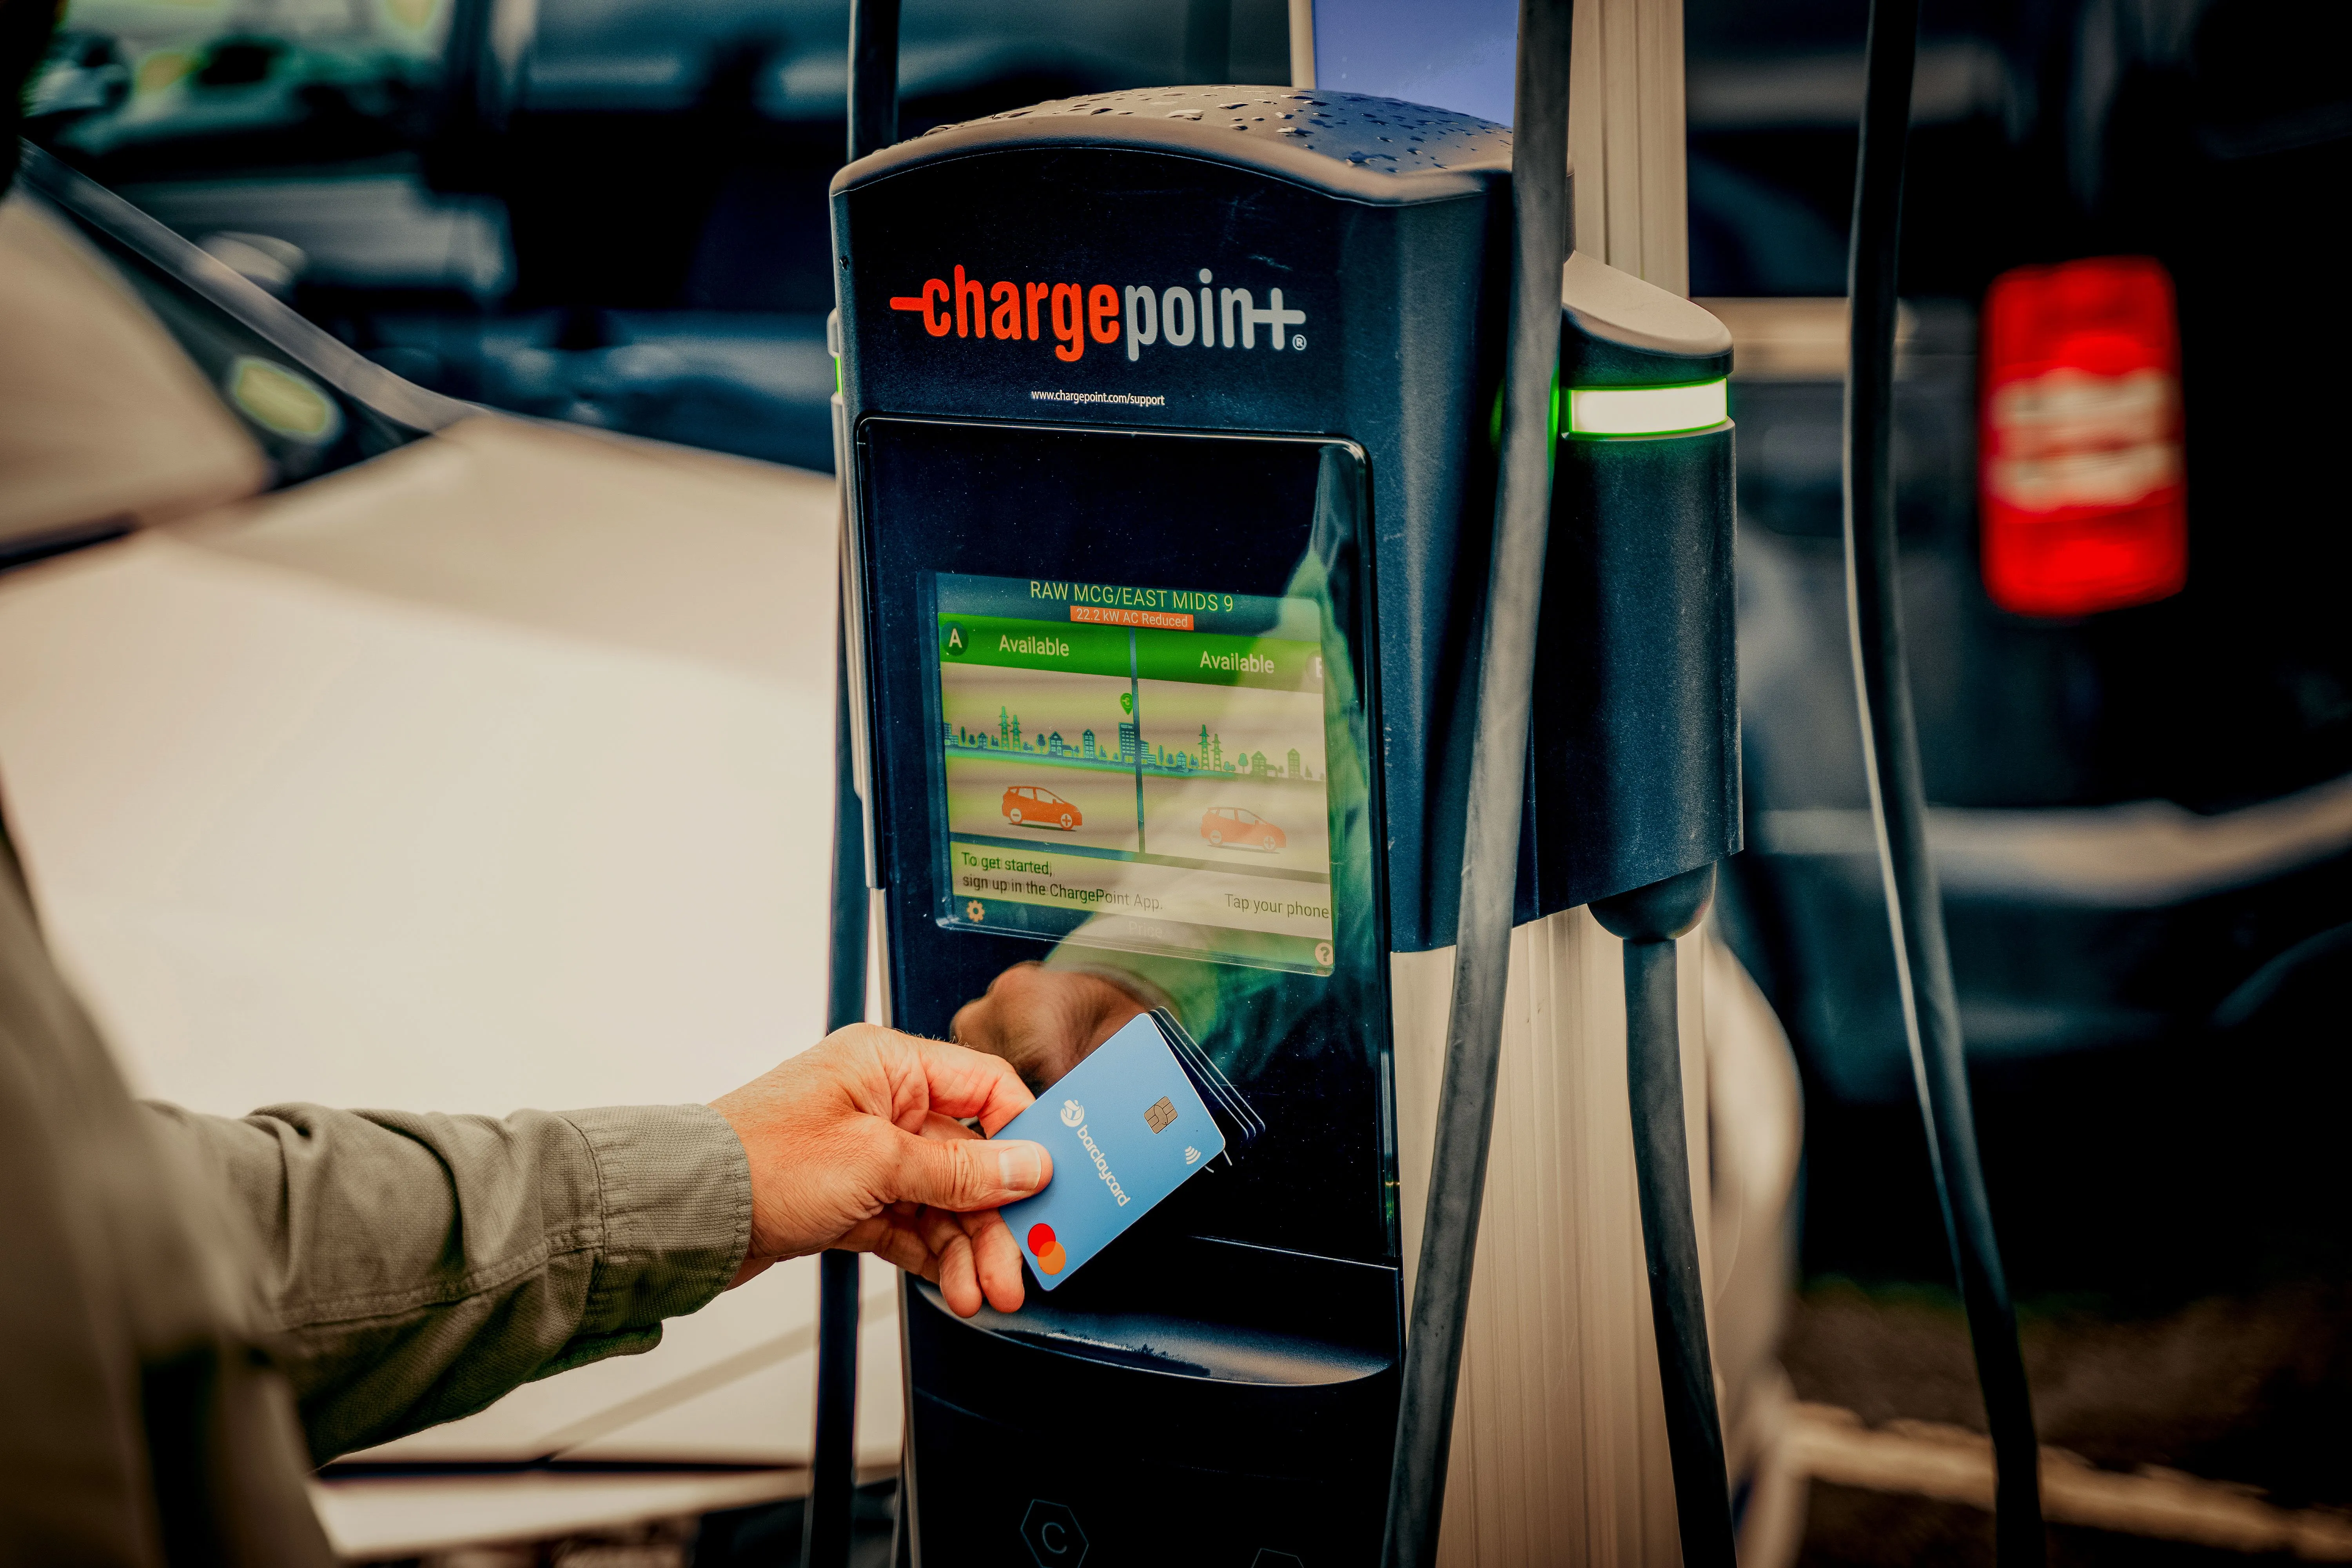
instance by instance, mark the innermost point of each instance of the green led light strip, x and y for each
(1647, 410)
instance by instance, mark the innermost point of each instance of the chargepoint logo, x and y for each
(1180, 315)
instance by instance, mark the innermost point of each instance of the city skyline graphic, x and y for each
(1119, 753)
(1140, 760)
(1092, 785)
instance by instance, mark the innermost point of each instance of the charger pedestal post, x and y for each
(1040, 431)
(1559, 1451)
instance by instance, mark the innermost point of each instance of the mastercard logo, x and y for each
(1047, 1249)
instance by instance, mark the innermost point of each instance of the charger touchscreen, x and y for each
(1135, 767)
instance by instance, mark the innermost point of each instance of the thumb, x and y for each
(966, 1174)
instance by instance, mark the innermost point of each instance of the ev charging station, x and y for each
(1251, 561)
(1172, 420)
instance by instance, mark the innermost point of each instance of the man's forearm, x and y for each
(417, 1267)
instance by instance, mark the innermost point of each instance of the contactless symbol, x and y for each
(976, 910)
(1191, 1155)
(1047, 1248)
(1053, 1535)
(1160, 1113)
(1072, 1113)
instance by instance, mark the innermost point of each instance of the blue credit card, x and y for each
(1125, 1128)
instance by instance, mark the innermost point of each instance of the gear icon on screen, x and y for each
(976, 912)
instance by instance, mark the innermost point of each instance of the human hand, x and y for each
(856, 1143)
(1045, 1021)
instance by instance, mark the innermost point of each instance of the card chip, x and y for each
(1160, 1113)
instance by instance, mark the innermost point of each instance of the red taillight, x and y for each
(2079, 448)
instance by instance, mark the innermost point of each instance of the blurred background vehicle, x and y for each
(612, 212)
(2143, 806)
(2142, 816)
(607, 213)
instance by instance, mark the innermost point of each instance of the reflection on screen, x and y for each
(1135, 767)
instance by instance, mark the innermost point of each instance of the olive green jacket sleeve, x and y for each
(415, 1267)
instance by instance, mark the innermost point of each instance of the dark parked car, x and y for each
(2133, 677)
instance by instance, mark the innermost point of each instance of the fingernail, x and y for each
(1020, 1166)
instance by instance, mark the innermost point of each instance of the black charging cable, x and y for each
(826, 1522)
(873, 75)
(827, 1517)
(1649, 920)
(1923, 964)
(1490, 850)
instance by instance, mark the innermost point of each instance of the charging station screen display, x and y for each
(1135, 765)
(1169, 640)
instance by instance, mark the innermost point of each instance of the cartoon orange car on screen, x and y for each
(1027, 805)
(1224, 825)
